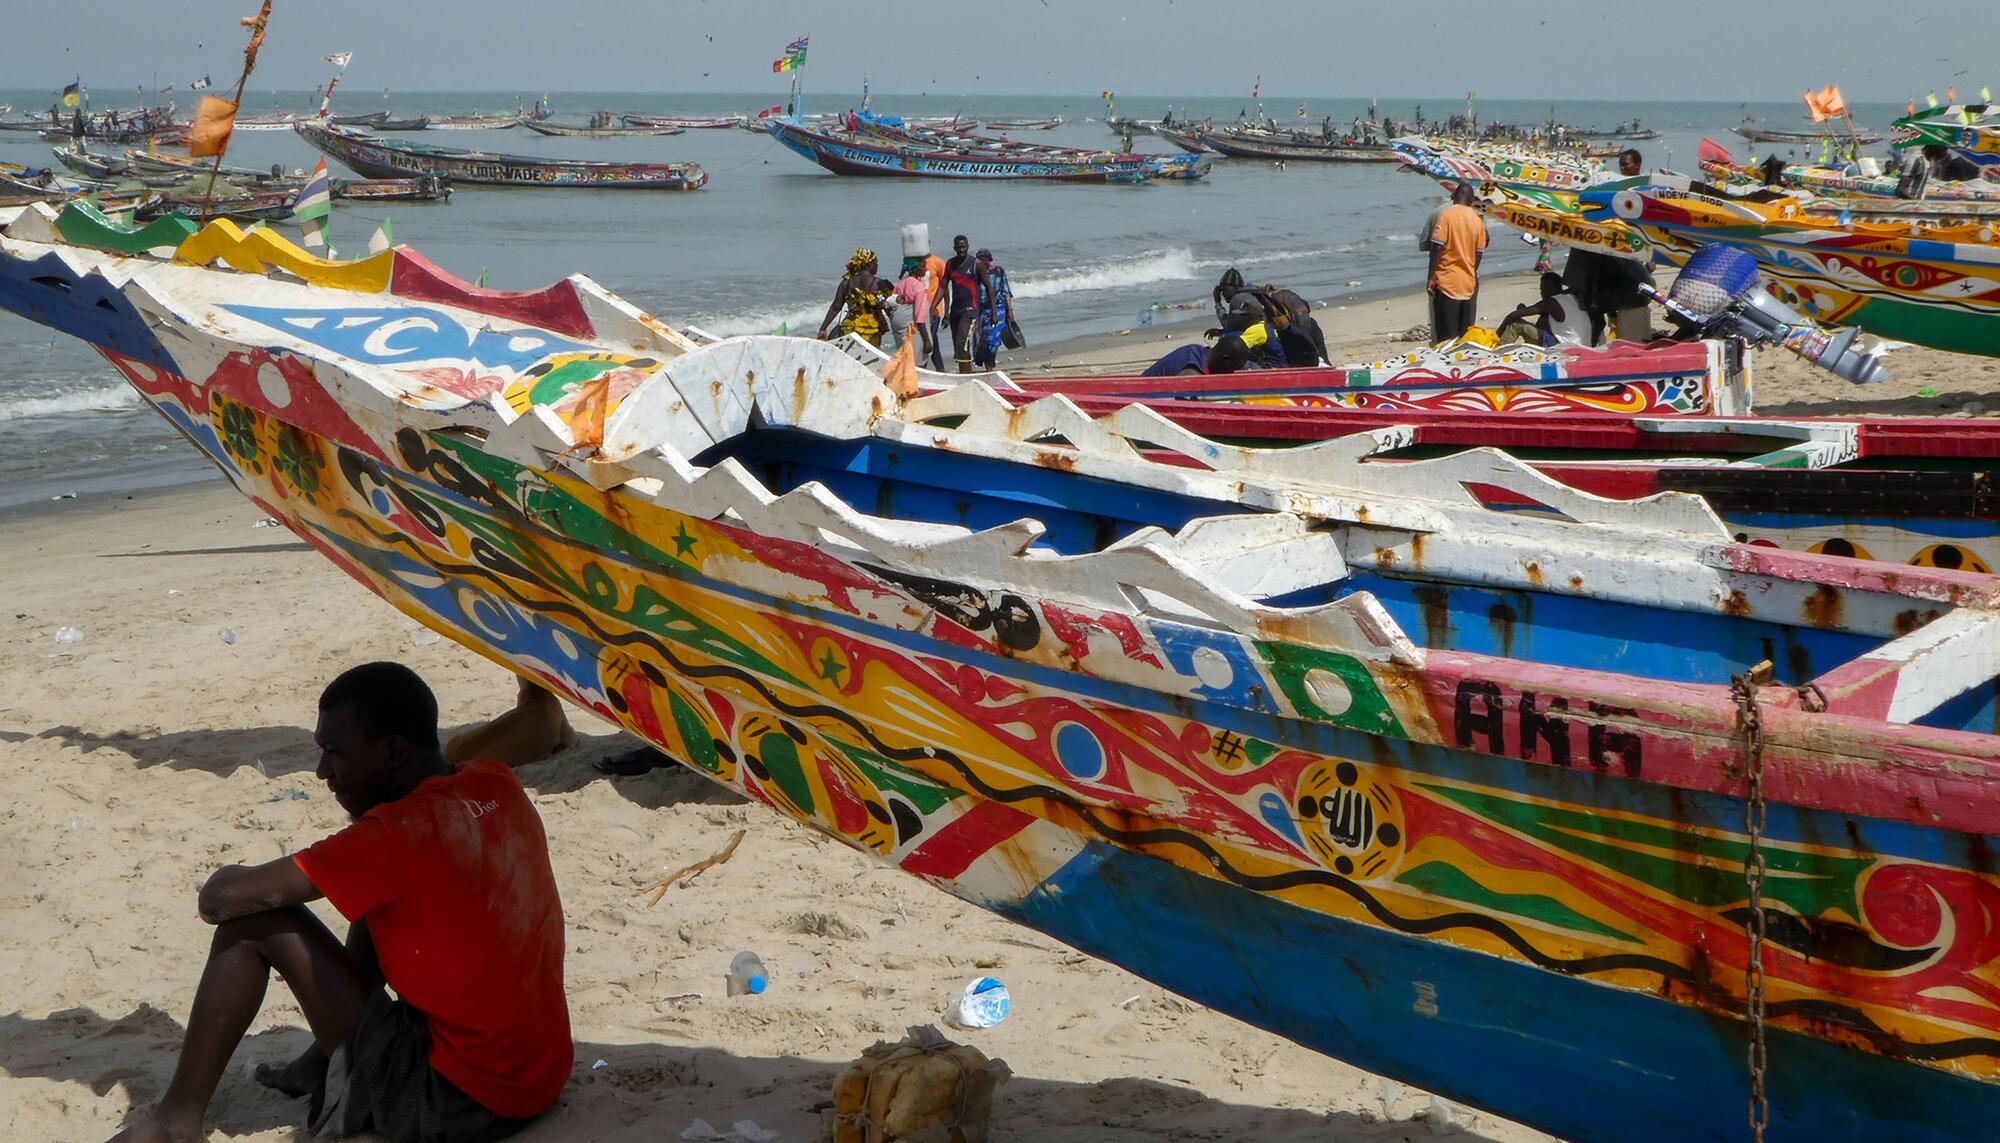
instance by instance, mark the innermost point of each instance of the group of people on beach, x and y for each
(968, 296)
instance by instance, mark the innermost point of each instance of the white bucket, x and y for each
(916, 239)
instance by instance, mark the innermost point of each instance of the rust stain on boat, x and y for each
(1912, 619)
(1534, 570)
(1737, 604)
(1825, 607)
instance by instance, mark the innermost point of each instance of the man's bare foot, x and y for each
(297, 1078)
(153, 1127)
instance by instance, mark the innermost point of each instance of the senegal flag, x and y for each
(72, 95)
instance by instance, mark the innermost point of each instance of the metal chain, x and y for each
(1743, 688)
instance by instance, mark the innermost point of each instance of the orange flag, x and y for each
(901, 375)
(214, 120)
(1813, 108)
(1951, 95)
(1831, 101)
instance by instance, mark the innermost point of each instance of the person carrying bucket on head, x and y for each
(918, 259)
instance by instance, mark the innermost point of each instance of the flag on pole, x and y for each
(314, 204)
(339, 59)
(1951, 95)
(167, 90)
(72, 94)
(1257, 86)
(1711, 151)
(1931, 99)
(199, 85)
(382, 239)
(214, 121)
(795, 55)
(482, 276)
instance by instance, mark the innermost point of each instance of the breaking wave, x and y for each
(109, 399)
(1178, 264)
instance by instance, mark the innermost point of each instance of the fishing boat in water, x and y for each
(477, 122)
(282, 121)
(1565, 813)
(1802, 138)
(372, 119)
(394, 158)
(887, 149)
(708, 123)
(1291, 145)
(600, 127)
(414, 123)
(1049, 124)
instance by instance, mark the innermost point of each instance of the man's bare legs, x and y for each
(330, 985)
(533, 730)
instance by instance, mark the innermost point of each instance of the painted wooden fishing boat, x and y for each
(1877, 191)
(685, 123)
(1668, 379)
(1049, 124)
(846, 153)
(1908, 490)
(477, 122)
(1289, 146)
(1801, 138)
(394, 158)
(1188, 140)
(551, 127)
(1932, 282)
(1502, 804)
(1120, 125)
(1972, 131)
(424, 188)
(369, 120)
(282, 121)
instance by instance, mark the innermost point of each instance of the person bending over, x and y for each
(444, 879)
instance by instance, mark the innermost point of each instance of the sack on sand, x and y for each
(925, 1089)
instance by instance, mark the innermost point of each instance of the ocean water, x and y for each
(761, 247)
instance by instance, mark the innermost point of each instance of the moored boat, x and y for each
(1800, 138)
(1288, 146)
(282, 121)
(477, 122)
(1048, 124)
(1478, 798)
(413, 123)
(685, 123)
(599, 131)
(851, 153)
(369, 120)
(393, 158)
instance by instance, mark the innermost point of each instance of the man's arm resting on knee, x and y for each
(239, 890)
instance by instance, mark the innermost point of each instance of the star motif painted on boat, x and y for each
(830, 666)
(683, 542)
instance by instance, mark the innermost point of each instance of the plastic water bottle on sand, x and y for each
(746, 975)
(984, 1004)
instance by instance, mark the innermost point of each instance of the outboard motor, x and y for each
(1720, 293)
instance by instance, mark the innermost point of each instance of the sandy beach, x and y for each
(175, 737)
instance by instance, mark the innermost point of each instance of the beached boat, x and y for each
(1934, 282)
(1972, 131)
(851, 153)
(1907, 490)
(709, 123)
(395, 158)
(477, 122)
(1854, 188)
(1289, 146)
(551, 127)
(1566, 814)
(1668, 379)
(1025, 124)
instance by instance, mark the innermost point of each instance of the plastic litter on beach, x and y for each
(267, 522)
(423, 636)
(747, 974)
(984, 1003)
(68, 636)
(228, 634)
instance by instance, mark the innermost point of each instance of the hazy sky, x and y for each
(1724, 50)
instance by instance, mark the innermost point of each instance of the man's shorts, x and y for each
(380, 1079)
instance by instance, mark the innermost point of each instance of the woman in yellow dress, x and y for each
(865, 297)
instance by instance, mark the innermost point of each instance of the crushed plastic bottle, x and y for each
(228, 634)
(984, 1003)
(423, 636)
(68, 636)
(746, 975)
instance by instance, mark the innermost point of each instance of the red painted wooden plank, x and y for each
(556, 308)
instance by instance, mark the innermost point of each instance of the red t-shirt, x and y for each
(455, 883)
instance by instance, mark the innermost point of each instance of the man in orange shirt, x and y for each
(1458, 242)
(444, 878)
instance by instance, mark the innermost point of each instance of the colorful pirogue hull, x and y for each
(1973, 132)
(1536, 193)
(1452, 793)
(1846, 188)
(1933, 283)
(1907, 490)
(393, 158)
(1668, 380)
(847, 154)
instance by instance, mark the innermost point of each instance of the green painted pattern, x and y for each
(82, 224)
(1448, 881)
(1695, 867)
(923, 793)
(1366, 709)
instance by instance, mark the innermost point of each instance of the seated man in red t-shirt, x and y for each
(444, 877)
